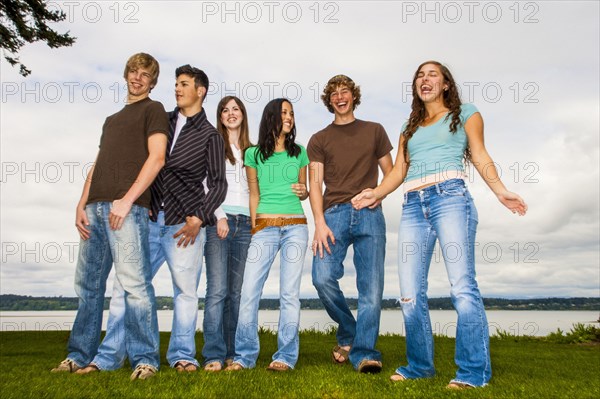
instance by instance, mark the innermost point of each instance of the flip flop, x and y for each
(90, 368)
(459, 385)
(213, 366)
(183, 366)
(369, 366)
(234, 367)
(278, 366)
(341, 352)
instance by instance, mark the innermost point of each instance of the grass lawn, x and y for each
(521, 369)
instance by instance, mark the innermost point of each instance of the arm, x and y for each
(386, 165)
(222, 224)
(81, 219)
(391, 181)
(157, 146)
(254, 193)
(322, 231)
(221, 216)
(486, 168)
(300, 188)
(216, 181)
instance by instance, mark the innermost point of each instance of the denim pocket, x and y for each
(331, 209)
(454, 191)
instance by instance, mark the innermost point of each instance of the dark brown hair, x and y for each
(244, 138)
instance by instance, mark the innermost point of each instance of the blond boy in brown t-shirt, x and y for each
(112, 221)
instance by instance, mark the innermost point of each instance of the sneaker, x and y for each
(67, 365)
(143, 372)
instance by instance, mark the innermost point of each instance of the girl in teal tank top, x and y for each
(440, 131)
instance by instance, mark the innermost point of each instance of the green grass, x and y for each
(523, 368)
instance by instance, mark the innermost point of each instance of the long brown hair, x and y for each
(451, 98)
(244, 139)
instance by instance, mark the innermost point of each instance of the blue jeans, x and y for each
(292, 241)
(128, 249)
(365, 230)
(225, 262)
(443, 212)
(185, 265)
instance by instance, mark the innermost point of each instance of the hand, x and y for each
(513, 202)
(81, 221)
(300, 190)
(322, 233)
(189, 231)
(118, 213)
(222, 228)
(364, 199)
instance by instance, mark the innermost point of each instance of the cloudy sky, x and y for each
(532, 69)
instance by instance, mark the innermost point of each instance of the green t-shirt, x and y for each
(275, 178)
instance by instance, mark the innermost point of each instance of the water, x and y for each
(523, 322)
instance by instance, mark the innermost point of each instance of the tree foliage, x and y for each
(26, 21)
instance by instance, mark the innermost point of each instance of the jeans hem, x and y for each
(193, 361)
(155, 367)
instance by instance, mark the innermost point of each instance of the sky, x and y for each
(531, 68)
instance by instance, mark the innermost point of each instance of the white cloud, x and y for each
(536, 89)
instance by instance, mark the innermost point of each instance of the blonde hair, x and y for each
(143, 60)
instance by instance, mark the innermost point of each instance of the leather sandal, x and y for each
(345, 354)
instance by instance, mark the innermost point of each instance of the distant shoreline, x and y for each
(10, 302)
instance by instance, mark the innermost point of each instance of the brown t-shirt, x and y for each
(124, 149)
(350, 155)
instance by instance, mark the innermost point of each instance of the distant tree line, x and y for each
(22, 302)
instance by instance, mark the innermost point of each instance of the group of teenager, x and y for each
(170, 187)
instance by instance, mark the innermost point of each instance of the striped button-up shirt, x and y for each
(198, 154)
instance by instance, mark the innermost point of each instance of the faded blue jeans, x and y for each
(225, 263)
(291, 241)
(443, 212)
(365, 230)
(185, 265)
(128, 249)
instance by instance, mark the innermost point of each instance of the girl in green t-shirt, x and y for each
(276, 170)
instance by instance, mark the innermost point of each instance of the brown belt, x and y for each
(276, 222)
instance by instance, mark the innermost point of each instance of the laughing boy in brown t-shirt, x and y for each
(346, 156)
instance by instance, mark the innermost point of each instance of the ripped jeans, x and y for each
(443, 212)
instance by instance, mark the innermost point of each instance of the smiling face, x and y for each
(186, 94)
(287, 118)
(430, 83)
(232, 116)
(139, 83)
(342, 101)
